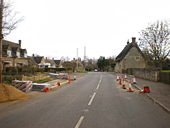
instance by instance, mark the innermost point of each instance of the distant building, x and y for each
(51, 62)
(58, 63)
(42, 62)
(13, 55)
(130, 57)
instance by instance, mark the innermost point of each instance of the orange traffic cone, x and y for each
(124, 85)
(134, 80)
(141, 91)
(120, 81)
(69, 80)
(58, 83)
(125, 76)
(117, 78)
(130, 88)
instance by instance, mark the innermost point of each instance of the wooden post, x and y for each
(1, 37)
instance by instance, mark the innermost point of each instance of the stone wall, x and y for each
(148, 74)
(165, 77)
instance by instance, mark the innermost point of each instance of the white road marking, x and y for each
(98, 86)
(99, 82)
(91, 100)
(79, 122)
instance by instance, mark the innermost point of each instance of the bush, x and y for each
(43, 80)
(25, 70)
(8, 78)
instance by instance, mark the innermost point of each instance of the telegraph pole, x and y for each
(1, 37)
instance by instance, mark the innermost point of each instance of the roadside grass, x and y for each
(43, 80)
(81, 71)
(165, 71)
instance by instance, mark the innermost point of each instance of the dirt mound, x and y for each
(10, 93)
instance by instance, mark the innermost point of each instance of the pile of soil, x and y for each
(10, 93)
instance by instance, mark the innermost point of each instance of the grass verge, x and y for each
(43, 80)
(165, 71)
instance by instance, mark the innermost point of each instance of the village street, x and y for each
(95, 100)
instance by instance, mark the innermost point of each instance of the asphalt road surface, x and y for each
(93, 101)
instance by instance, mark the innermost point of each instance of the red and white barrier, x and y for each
(24, 86)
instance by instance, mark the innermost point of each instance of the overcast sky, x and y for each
(56, 28)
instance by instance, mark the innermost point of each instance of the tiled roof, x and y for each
(11, 44)
(32, 61)
(38, 59)
(50, 61)
(124, 52)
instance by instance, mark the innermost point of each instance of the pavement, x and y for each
(159, 92)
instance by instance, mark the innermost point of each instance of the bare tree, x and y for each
(10, 18)
(8, 22)
(155, 42)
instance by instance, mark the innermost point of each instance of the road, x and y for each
(93, 101)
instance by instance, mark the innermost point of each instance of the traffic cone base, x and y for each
(124, 86)
(58, 84)
(130, 90)
(46, 89)
(141, 91)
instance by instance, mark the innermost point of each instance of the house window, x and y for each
(18, 54)
(137, 58)
(9, 53)
(25, 55)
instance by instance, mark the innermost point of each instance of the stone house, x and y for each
(51, 62)
(39, 60)
(42, 62)
(58, 63)
(13, 55)
(130, 57)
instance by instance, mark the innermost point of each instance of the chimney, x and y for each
(33, 55)
(19, 41)
(128, 42)
(133, 39)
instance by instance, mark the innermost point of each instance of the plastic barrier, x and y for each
(24, 86)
